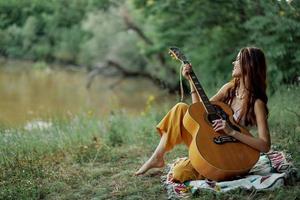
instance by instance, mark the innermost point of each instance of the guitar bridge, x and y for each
(224, 139)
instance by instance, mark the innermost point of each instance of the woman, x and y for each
(245, 94)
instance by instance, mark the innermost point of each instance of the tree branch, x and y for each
(106, 69)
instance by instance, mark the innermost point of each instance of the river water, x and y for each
(29, 94)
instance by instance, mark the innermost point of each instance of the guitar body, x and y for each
(216, 155)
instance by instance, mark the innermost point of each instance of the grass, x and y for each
(85, 158)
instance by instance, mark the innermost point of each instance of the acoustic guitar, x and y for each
(215, 155)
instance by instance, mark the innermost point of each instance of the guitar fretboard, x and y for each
(208, 106)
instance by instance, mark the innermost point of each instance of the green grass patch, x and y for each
(88, 158)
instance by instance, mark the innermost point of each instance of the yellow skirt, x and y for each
(172, 125)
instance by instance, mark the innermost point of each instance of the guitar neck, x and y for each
(206, 103)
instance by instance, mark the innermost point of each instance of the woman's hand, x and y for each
(186, 70)
(220, 124)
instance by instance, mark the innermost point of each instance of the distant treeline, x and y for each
(134, 35)
(44, 29)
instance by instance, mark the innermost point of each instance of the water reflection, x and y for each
(42, 94)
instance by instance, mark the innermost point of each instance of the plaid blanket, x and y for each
(273, 169)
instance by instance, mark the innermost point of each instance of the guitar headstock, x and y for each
(176, 53)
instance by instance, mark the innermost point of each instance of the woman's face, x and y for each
(236, 71)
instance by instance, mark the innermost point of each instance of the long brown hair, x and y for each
(253, 66)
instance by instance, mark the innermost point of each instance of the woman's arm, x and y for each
(221, 94)
(217, 97)
(185, 72)
(263, 142)
(194, 94)
(195, 97)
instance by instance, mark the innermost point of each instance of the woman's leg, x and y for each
(172, 133)
(157, 158)
(183, 170)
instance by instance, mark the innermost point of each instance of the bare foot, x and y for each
(151, 163)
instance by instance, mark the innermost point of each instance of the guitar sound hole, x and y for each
(212, 117)
(220, 114)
